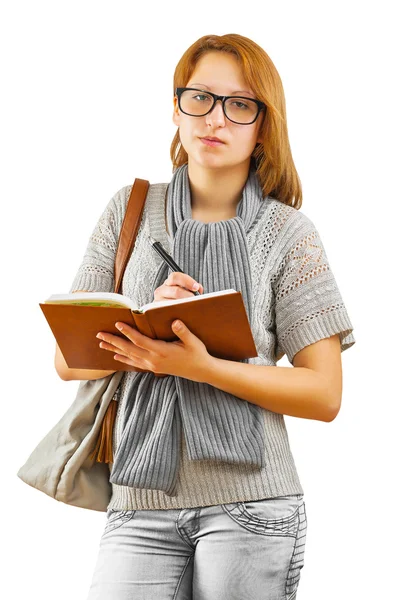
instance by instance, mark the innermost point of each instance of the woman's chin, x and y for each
(207, 160)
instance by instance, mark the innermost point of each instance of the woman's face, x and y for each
(218, 72)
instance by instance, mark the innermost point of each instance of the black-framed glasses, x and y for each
(238, 109)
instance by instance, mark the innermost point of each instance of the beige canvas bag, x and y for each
(64, 464)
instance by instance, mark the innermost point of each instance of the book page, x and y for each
(93, 299)
(152, 305)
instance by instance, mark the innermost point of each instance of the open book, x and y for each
(121, 301)
(219, 319)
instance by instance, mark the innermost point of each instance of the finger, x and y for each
(183, 280)
(110, 347)
(125, 360)
(129, 332)
(125, 347)
(171, 292)
(179, 292)
(140, 341)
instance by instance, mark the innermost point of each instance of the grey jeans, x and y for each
(238, 551)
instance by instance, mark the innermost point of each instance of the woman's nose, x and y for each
(217, 114)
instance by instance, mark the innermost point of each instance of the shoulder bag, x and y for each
(70, 464)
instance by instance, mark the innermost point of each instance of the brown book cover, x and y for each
(219, 319)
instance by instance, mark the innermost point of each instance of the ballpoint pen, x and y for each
(168, 259)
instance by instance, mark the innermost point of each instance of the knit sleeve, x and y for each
(96, 271)
(309, 306)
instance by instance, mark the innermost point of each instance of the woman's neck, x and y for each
(215, 193)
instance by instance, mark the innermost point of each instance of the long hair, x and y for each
(272, 158)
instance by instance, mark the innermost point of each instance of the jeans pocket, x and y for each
(297, 560)
(116, 518)
(268, 516)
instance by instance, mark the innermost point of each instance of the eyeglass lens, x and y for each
(198, 104)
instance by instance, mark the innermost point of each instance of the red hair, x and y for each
(272, 158)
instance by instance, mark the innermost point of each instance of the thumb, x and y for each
(181, 331)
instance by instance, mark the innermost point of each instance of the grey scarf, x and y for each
(217, 425)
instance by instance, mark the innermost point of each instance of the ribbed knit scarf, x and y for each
(217, 425)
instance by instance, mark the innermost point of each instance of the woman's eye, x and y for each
(242, 104)
(201, 96)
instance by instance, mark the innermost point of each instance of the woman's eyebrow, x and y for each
(235, 92)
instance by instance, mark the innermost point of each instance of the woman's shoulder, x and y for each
(282, 222)
(155, 191)
(154, 199)
(287, 213)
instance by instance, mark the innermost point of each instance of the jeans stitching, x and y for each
(121, 518)
(279, 520)
(295, 566)
(277, 527)
(114, 516)
(182, 533)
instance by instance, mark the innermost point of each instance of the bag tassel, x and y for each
(103, 451)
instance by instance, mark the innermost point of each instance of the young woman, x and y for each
(206, 500)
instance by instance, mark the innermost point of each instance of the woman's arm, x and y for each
(68, 374)
(310, 390)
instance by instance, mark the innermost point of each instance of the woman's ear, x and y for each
(175, 114)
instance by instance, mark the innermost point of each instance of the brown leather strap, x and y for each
(129, 229)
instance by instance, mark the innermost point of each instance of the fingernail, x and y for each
(196, 286)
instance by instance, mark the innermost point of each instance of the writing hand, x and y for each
(177, 285)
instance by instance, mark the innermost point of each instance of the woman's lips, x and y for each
(211, 142)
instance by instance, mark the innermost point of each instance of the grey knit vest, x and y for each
(217, 425)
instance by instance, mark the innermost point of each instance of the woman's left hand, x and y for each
(186, 358)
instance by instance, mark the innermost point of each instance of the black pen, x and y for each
(168, 259)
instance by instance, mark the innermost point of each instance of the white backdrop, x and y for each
(72, 134)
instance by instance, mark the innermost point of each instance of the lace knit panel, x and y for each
(308, 303)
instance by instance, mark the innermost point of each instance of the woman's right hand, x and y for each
(176, 286)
